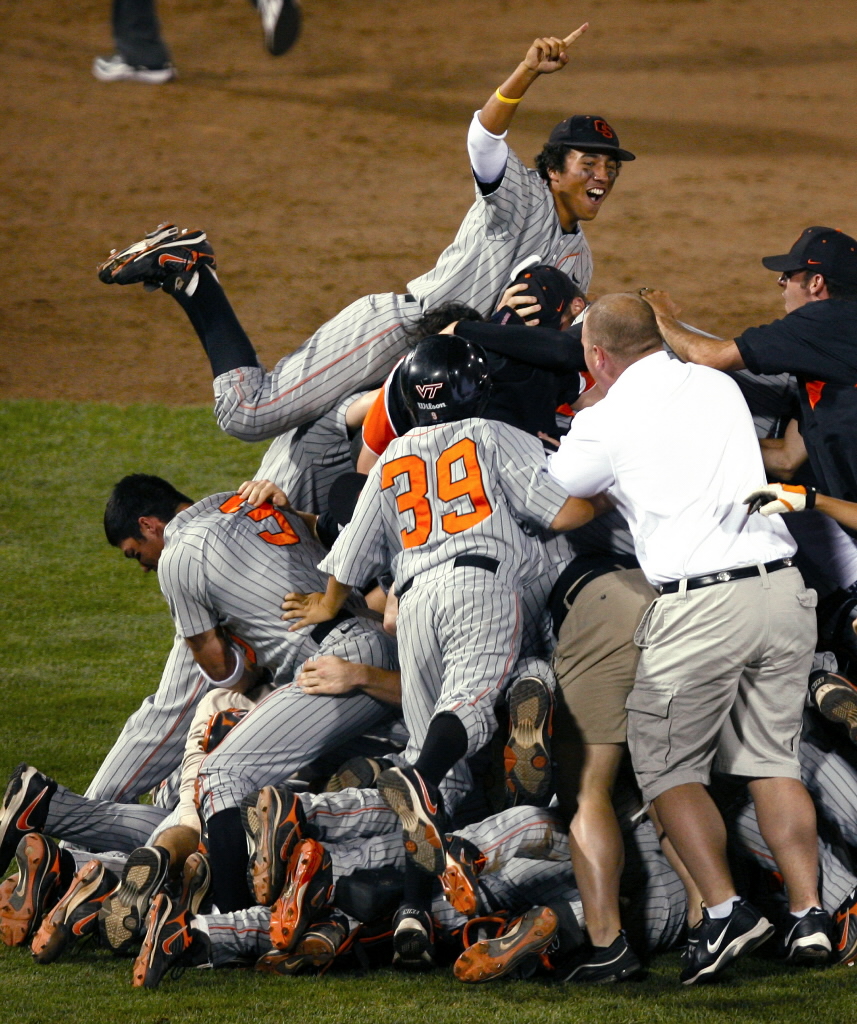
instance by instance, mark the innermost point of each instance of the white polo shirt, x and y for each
(673, 444)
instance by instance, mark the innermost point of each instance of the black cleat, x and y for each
(413, 940)
(523, 940)
(76, 914)
(166, 258)
(24, 809)
(123, 914)
(527, 755)
(420, 810)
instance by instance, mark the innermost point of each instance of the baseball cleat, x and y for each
(605, 965)
(807, 943)
(836, 699)
(165, 258)
(25, 905)
(525, 938)
(721, 940)
(25, 809)
(844, 931)
(220, 725)
(76, 914)
(306, 897)
(170, 942)
(122, 916)
(317, 947)
(115, 69)
(527, 756)
(357, 773)
(281, 24)
(464, 863)
(413, 939)
(420, 810)
(275, 823)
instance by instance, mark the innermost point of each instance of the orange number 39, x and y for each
(415, 498)
(285, 535)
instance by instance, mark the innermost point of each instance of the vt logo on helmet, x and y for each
(444, 378)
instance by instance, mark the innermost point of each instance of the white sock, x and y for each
(724, 909)
(802, 913)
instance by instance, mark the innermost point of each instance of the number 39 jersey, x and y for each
(227, 564)
(470, 487)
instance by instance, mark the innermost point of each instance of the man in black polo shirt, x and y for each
(816, 341)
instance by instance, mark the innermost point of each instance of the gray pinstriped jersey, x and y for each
(453, 489)
(515, 221)
(225, 565)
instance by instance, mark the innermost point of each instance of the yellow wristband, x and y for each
(505, 99)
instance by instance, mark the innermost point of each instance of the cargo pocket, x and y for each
(648, 729)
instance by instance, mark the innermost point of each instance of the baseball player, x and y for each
(443, 504)
(142, 56)
(517, 213)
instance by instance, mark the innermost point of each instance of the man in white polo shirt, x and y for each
(727, 647)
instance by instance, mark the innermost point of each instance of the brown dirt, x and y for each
(340, 168)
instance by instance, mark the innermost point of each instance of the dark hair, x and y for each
(841, 289)
(552, 158)
(624, 325)
(139, 495)
(434, 320)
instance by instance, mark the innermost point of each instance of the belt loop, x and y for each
(763, 572)
(682, 588)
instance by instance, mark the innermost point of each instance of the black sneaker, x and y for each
(122, 916)
(604, 965)
(281, 24)
(527, 756)
(165, 258)
(807, 941)
(721, 940)
(420, 810)
(836, 699)
(413, 939)
(24, 809)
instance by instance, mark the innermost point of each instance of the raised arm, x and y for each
(545, 56)
(690, 347)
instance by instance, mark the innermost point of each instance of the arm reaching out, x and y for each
(690, 347)
(545, 56)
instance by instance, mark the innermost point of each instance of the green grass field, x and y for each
(85, 635)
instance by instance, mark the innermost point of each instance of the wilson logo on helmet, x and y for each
(428, 390)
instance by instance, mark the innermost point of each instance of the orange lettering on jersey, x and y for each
(813, 391)
(414, 499)
(470, 485)
(285, 535)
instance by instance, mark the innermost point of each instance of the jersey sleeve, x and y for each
(778, 347)
(361, 552)
(522, 473)
(182, 577)
(378, 429)
(488, 155)
(507, 207)
(539, 346)
(582, 466)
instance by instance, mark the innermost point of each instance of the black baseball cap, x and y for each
(552, 289)
(826, 251)
(590, 134)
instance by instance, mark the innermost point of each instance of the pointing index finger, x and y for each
(576, 34)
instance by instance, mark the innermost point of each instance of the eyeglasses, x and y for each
(787, 275)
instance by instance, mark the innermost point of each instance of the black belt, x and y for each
(476, 561)
(745, 572)
(320, 631)
(576, 575)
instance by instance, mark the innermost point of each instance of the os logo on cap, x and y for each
(603, 128)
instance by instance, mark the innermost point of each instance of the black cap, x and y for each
(590, 134)
(552, 289)
(825, 251)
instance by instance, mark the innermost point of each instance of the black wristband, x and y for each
(810, 496)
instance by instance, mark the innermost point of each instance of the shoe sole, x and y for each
(838, 704)
(159, 915)
(286, 30)
(745, 943)
(267, 872)
(412, 949)
(527, 756)
(294, 913)
(460, 887)
(845, 925)
(358, 773)
(811, 951)
(151, 76)
(31, 898)
(492, 958)
(58, 932)
(138, 276)
(120, 920)
(423, 841)
(122, 256)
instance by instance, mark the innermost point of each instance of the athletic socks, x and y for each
(445, 744)
(227, 852)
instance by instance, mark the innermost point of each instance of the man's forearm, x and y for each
(382, 684)
(690, 347)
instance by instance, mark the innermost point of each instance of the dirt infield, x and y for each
(340, 168)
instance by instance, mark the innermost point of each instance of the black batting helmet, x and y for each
(444, 378)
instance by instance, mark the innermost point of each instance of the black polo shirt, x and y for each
(818, 344)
